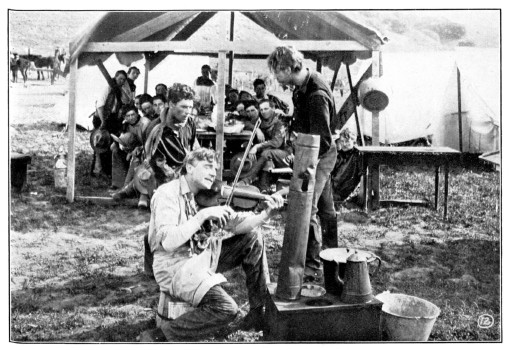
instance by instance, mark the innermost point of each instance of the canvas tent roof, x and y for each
(179, 26)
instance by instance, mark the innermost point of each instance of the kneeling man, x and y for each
(188, 260)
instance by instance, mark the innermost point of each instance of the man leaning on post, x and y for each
(314, 114)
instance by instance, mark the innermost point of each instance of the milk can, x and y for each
(59, 173)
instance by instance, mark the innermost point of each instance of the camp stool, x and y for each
(169, 308)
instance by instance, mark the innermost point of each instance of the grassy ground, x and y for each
(76, 269)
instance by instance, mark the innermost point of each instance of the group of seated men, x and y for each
(149, 136)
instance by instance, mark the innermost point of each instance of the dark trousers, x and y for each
(217, 309)
(280, 158)
(323, 208)
(120, 166)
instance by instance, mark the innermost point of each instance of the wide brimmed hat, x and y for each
(100, 140)
(235, 162)
(127, 140)
(144, 180)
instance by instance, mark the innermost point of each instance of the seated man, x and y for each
(129, 87)
(166, 144)
(271, 149)
(122, 155)
(248, 114)
(188, 261)
(205, 89)
(159, 103)
(147, 106)
(161, 89)
(348, 170)
(281, 108)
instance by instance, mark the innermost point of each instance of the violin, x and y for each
(243, 196)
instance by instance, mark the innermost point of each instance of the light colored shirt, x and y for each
(182, 274)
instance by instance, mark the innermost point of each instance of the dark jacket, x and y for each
(314, 110)
(346, 174)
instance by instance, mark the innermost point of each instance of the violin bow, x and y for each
(240, 169)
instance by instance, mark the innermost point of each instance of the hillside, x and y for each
(42, 31)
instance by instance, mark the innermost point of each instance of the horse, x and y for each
(47, 62)
(19, 64)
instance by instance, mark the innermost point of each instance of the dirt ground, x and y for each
(76, 269)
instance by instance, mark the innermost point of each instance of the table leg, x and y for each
(365, 190)
(436, 189)
(446, 171)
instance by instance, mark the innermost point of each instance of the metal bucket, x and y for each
(374, 94)
(406, 318)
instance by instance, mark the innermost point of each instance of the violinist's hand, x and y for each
(219, 213)
(273, 203)
(253, 153)
(277, 197)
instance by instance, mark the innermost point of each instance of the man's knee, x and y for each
(221, 303)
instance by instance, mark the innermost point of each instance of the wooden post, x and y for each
(231, 53)
(146, 74)
(319, 64)
(220, 112)
(374, 170)
(459, 106)
(71, 130)
(355, 101)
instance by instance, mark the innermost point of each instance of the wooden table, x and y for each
(432, 156)
(205, 136)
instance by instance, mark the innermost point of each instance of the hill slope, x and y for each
(42, 31)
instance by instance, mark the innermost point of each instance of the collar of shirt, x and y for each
(302, 88)
(185, 191)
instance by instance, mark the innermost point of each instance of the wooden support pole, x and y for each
(147, 68)
(459, 107)
(220, 112)
(71, 130)
(231, 53)
(374, 171)
(319, 65)
(355, 102)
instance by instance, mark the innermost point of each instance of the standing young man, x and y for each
(314, 113)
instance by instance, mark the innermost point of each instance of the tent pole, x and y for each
(220, 112)
(146, 74)
(319, 65)
(71, 129)
(231, 53)
(222, 57)
(335, 75)
(459, 106)
(374, 170)
(354, 100)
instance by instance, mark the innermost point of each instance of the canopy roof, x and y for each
(117, 32)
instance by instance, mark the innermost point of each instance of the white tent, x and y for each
(423, 99)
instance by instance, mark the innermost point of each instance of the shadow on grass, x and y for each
(462, 277)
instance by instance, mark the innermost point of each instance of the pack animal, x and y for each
(48, 62)
(19, 64)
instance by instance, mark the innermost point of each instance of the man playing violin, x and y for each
(188, 261)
